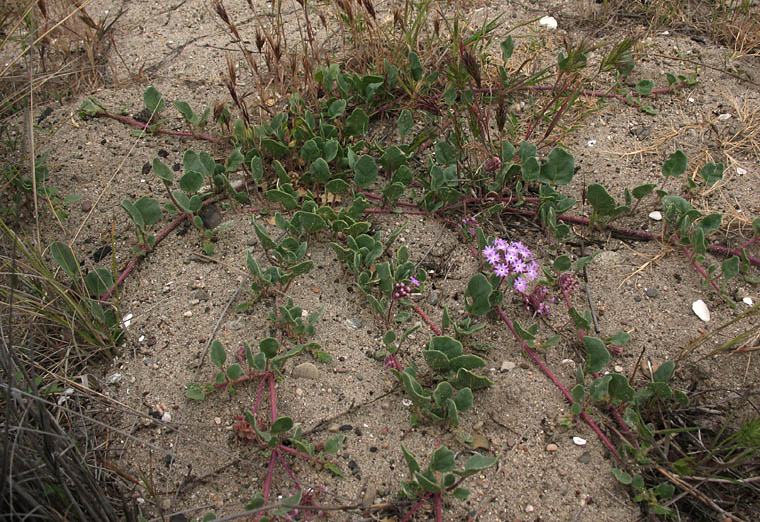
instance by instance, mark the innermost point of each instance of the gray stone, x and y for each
(354, 322)
(652, 292)
(507, 366)
(235, 325)
(305, 370)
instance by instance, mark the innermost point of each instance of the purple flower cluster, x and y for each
(567, 283)
(402, 290)
(509, 258)
(469, 223)
(514, 259)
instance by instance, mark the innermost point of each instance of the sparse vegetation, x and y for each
(418, 114)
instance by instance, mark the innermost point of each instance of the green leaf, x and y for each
(280, 196)
(446, 345)
(234, 160)
(162, 171)
(191, 182)
(622, 476)
(711, 223)
(337, 186)
(404, 123)
(478, 463)
(463, 399)
(597, 355)
(411, 460)
(281, 425)
(675, 165)
(276, 149)
(99, 281)
(337, 108)
(442, 460)
(134, 214)
(664, 372)
(365, 170)
(712, 172)
(730, 267)
(310, 151)
(269, 347)
(333, 444)
(63, 255)
(415, 67)
(562, 263)
(466, 379)
(195, 392)
(559, 168)
(619, 339)
(644, 87)
(356, 123)
(218, 354)
(445, 154)
(436, 360)
(507, 48)
(468, 361)
(479, 289)
(619, 389)
(234, 372)
(153, 100)
(185, 110)
(149, 209)
(427, 483)
(461, 493)
(600, 200)
(643, 190)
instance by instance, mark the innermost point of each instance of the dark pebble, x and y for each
(585, 458)
(651, 292)
(358, 432)
(353, 466)
(637, 298)
(211, 216)
(101, 253)
(86, 205)
(156, 414)
(163, 153)
(168, 459)
(373, 449)
(146, 168)
(346, 427)
(176, 167)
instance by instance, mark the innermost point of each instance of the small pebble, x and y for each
(188, 314)
(346, 427)
(578, 441)
(86, 205)
(529, 509)
(651, 292)
(299, 392)
(217, 420)
(747, 301)
(113, 378)
(585, 458)
(354, 323)
(656, 215)
(618, 368)
(333, 428)
(507, 366)
(235, 325)
(478, 426)
(166, 417)
(551, 448)
(305, 370)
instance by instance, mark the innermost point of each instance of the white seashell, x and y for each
(126, 321)
(591, 143)
(549, 22)
(578, 441)
(725, 116)
(656, 215)
(700, 308)
(741, 171)
(747, 301)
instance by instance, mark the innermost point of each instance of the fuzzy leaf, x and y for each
(63, 255)
(218, 354)
(597, 355)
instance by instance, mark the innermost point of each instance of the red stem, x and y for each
(145, 126)
(437, 507)
(425, 318)
(417, 506)
(698, 267)
(558, 384)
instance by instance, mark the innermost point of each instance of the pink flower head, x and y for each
(531, 271)
(519, 266)
(510, 257)
(520, 284)
(501, 270)
(489, 251)
(500, 244)
(414, 281)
